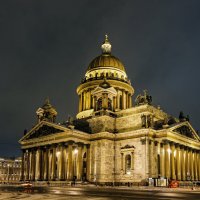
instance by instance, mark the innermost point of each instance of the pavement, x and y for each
(93, 192)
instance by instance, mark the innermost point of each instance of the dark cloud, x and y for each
(45, 47)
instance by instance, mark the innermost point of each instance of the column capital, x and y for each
(172, 144)
(61, 144)
(182, 146)
(193, 150)
(80, 144)
(69, 142)
(166, 141)
(188, 148)
(177, 145)
(156, 143)
(47, 147)
(150, 140)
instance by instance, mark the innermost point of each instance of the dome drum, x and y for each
(107, 76)
(90, 85)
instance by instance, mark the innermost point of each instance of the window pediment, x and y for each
(127, 147)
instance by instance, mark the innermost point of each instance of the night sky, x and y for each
(46, 46)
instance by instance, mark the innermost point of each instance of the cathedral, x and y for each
(112, 140)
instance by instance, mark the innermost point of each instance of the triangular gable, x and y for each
(42, 129)
(100, 89)
(185, 129)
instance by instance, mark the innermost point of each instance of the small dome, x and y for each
(106, 60)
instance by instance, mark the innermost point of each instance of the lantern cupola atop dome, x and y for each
(106, 60)
(106, 46)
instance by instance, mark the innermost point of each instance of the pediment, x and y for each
(41, 130)
(186, 130)
(101, 90)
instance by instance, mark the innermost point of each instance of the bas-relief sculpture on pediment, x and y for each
(43, 131)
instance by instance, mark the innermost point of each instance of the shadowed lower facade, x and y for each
(111, 140)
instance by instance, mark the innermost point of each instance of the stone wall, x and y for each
(107, 162)
(101, 124)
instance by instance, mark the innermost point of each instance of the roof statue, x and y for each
(47, 112)
(143, 99)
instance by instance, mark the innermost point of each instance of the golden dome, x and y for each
(106, 59)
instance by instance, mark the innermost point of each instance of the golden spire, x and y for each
(106, 46)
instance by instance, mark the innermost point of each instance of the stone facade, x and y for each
(111, 140)
(10, 169)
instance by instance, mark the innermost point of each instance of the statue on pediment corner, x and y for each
(143, 99)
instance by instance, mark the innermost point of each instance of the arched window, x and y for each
(99, 104)
(128, 163)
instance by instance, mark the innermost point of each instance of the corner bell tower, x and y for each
(105, 86)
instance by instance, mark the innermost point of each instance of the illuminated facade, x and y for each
(111, 140)
(10, 169)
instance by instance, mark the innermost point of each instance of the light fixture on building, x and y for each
(169, 150)
(175, 153)
(128, 173)
(57, 153)
(75, 151)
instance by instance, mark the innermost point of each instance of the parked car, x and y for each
(173, 184)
